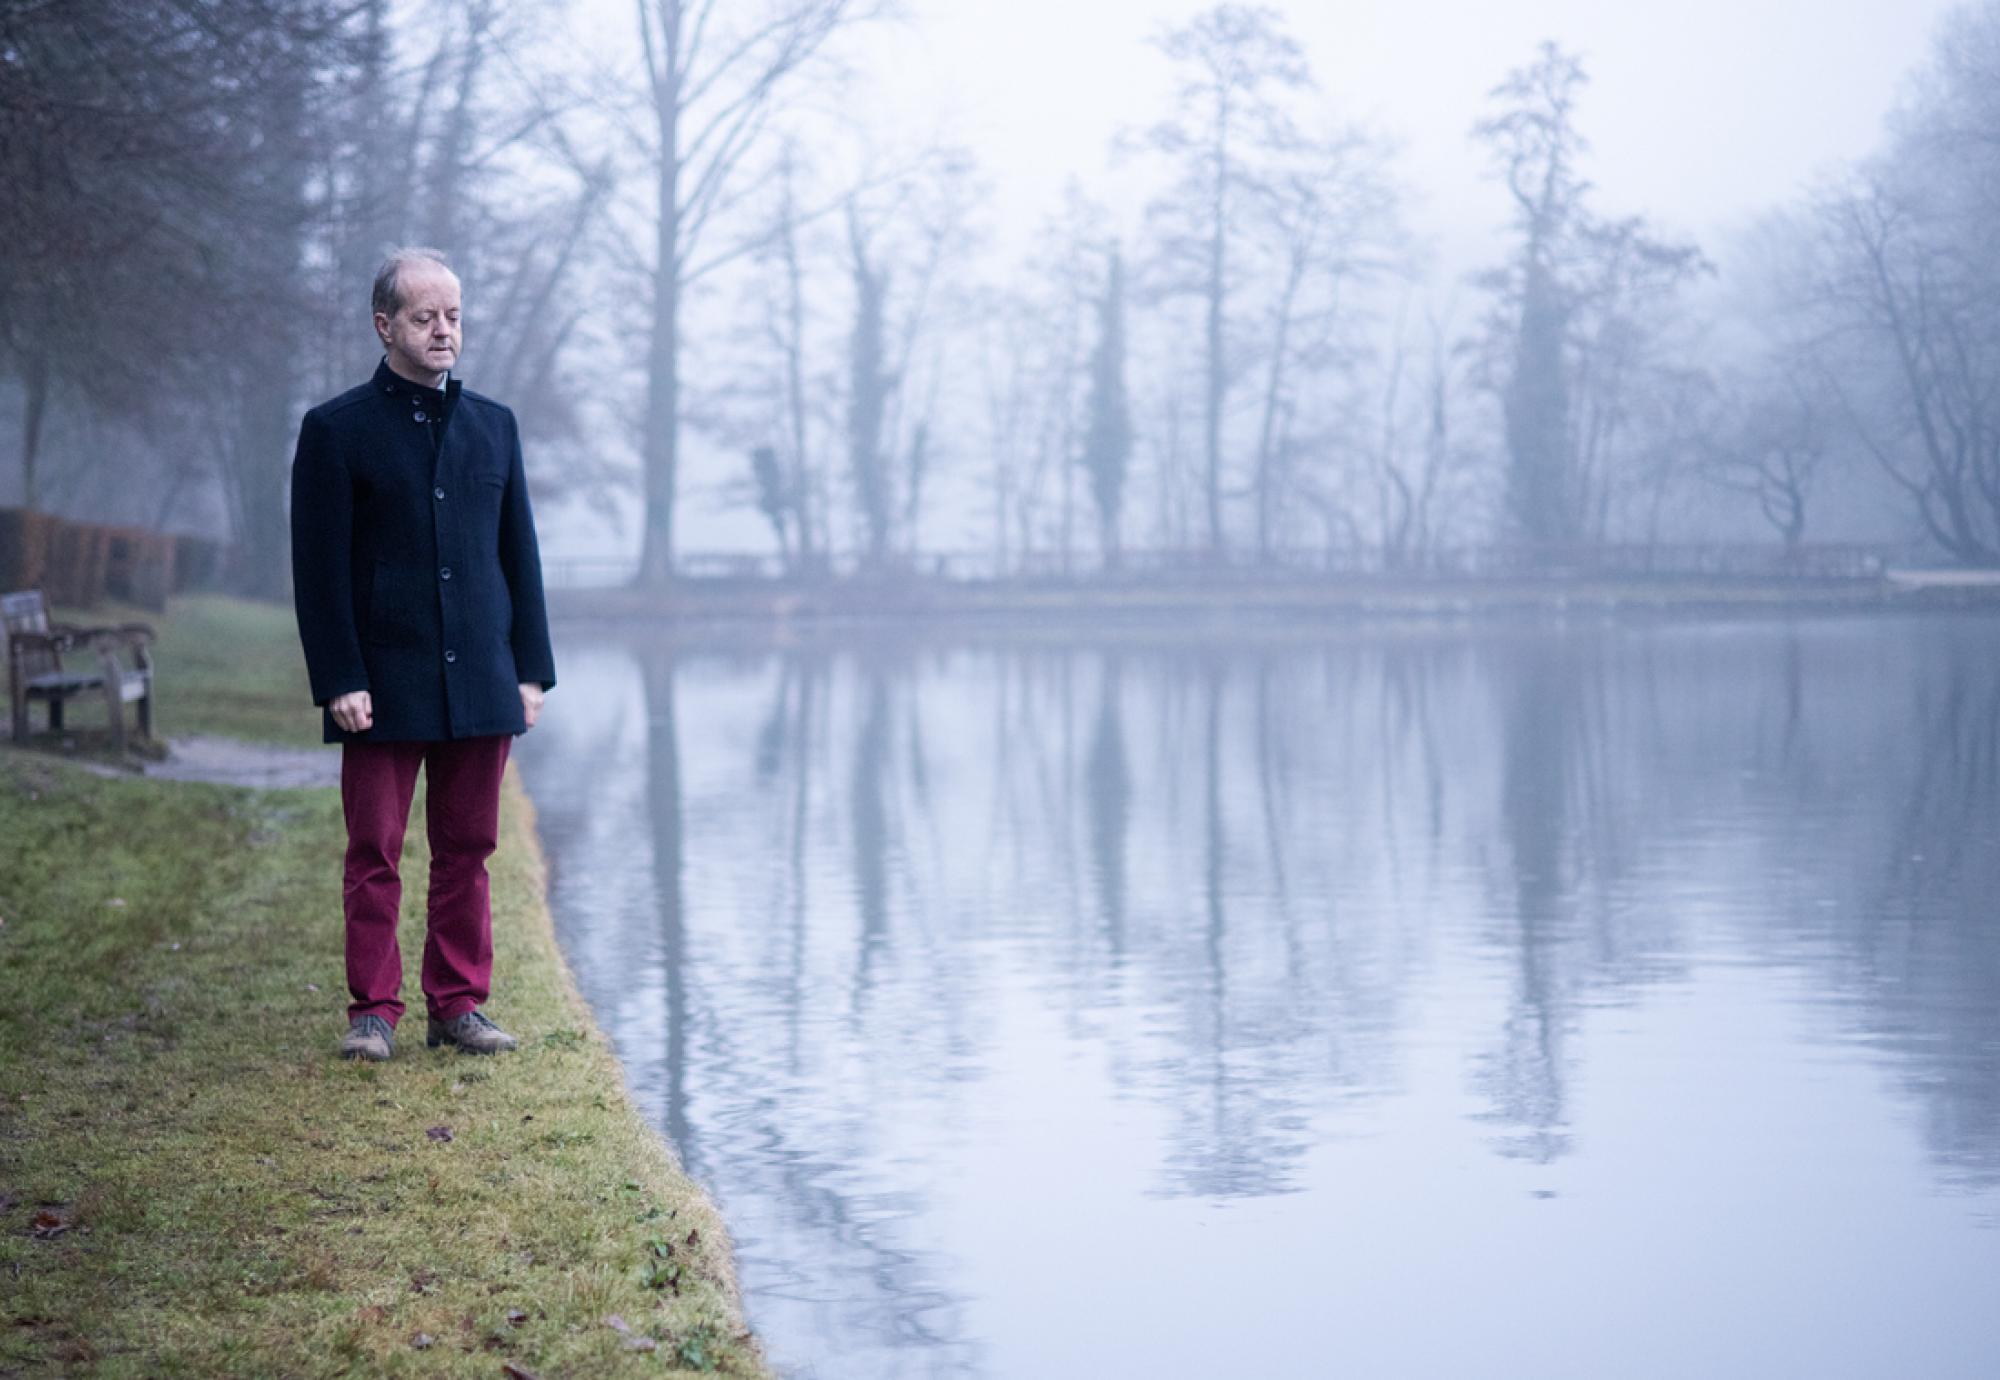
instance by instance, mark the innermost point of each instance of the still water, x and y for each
(1510, 1002)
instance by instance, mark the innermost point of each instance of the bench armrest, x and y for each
(52, 641)
(75, 634)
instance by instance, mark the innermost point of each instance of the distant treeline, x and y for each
(697, 267)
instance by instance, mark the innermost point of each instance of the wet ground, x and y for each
(228, 762)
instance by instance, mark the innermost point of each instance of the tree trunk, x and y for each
(1212, 417)
(35, 385)
(868, 398)
(1536, 404)
(663, 378)
(795, 378)
(1273, 390)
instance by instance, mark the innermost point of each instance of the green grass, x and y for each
(228, 667)
(233, 668)
(192, 1184)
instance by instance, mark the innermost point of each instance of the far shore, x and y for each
(1230, 602)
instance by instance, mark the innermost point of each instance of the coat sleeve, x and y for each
(521, 563)
(323, 565)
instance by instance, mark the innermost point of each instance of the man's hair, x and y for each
(388, 296)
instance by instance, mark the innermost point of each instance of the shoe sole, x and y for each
(441, 1042)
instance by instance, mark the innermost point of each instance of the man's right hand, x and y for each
(354, 712)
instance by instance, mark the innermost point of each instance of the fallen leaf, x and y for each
(618, 1324)
(439, 1133)
(515, 1317)
(694, 1237)
(514, 1372)
(423, 1341)
(49, 1224)
(314, 987)
(641, 1344)
(116, 902)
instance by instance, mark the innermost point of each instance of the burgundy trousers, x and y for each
(462, 816)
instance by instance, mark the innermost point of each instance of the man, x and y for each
(419, 592)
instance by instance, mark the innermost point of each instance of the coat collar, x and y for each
(394, 385)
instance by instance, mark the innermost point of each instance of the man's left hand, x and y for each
(531, 703)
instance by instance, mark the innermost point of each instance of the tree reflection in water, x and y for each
(819, 894)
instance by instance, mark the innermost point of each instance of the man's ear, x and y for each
(382, 327)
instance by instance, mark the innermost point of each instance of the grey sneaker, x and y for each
(368, 1037)
(472, 1033)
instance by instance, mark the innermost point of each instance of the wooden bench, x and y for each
(121, 666)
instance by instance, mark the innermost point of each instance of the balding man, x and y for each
(419, 593)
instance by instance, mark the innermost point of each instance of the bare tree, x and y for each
(803, 488)
(1007, 359)
(869, 386)
(1326, 225)
(918, 220)
(714, 75)
(1417, 463)
(1905, 295)
(1107, 447)
(1767, 439)
(1236, 69)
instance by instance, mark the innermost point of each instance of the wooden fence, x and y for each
(80, 564)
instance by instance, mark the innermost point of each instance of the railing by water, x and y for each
(1168, 566)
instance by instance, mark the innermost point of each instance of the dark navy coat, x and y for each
(414, 564)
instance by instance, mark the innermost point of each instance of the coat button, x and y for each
(445, 574)
(450, 657)
(437, 493)
(418, 415)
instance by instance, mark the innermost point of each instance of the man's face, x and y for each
(423, 338)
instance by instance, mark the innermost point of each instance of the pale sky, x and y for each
(1700, 112)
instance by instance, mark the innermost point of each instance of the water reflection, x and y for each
(929, 957)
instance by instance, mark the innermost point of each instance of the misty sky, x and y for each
(1699, 111)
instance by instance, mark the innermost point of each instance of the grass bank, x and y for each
(190, 1182)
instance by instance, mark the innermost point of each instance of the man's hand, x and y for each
(354, 712)
(531, 702)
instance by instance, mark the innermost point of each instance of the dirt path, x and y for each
(228, 762)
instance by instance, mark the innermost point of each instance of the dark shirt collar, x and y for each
(396, 386)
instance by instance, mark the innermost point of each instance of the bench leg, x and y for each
(116, 704)
(55, 713)
(145, 712)
(20, 718)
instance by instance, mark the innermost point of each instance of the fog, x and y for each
(1422, 719)
(885, 267)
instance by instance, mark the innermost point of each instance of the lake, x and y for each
(1486, 1000)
